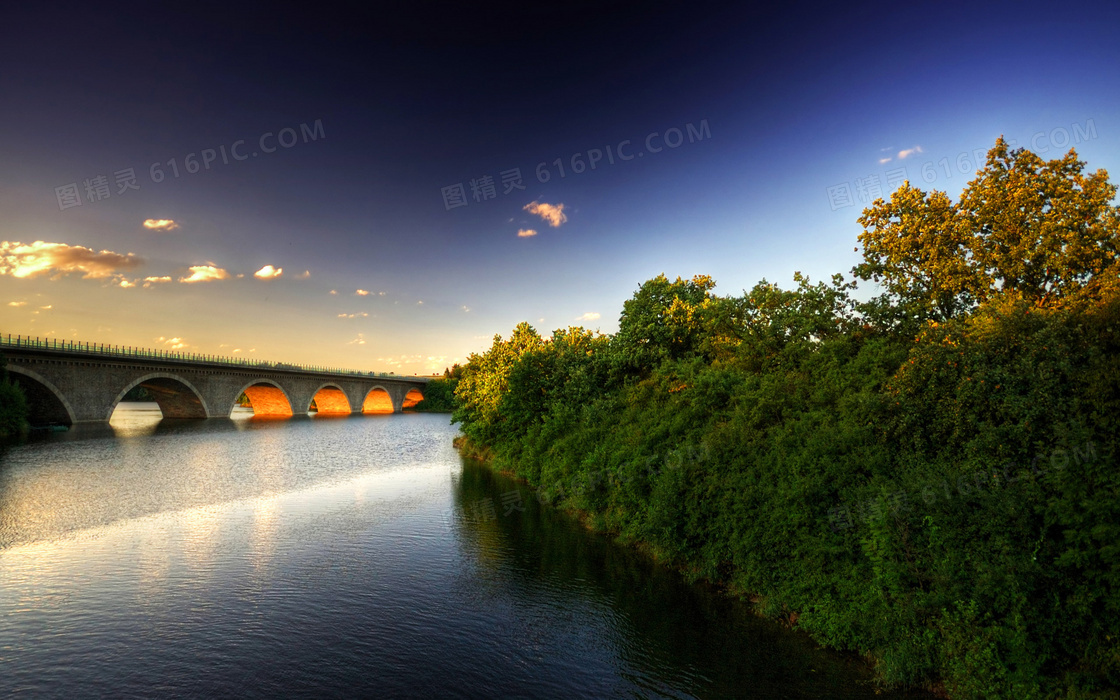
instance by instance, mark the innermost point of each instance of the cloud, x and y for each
(58, 259)
(361, 292)
(589, 316)
(304, 275)
(268, 272)
(149, 281)
(175, 343)
(360, 340)
(160, 224)
(466, 309)
(363, 314)
(334, 291)
(17, 303)
(885, 160)
(552, 213)
(205, 273)
(909, 152)
(525, 233)
(126, 284)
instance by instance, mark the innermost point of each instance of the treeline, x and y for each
(439, 394)
(13, 407)
(928, 477)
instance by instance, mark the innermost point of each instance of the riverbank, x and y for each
(594, 523)
(944, 504)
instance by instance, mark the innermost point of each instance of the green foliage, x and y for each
(13, 407)
(929, 478)
(486, 378)
(1039, 231)
(439, 396)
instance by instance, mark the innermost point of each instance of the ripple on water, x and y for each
(334, 558)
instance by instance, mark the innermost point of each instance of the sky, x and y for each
(387, 189)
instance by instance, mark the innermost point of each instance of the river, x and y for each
(339, 557)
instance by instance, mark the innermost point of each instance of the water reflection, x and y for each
(692, 637)
(343, 558)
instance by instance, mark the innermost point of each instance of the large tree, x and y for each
(1043, 232)
(485, 379)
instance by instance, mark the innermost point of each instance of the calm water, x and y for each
(319, 557)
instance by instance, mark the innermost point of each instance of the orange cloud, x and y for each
(205, 273)
(160, 224)
(526, 233)
(552, 213)
(268, 272)
(175, 343)
(362, 292)
(41, 258)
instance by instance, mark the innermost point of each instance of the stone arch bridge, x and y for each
(75, 383)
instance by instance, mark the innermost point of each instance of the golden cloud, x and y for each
(58, 259)
(552, 213)
(175, 343)
(361, 292)
(205, 273)
(268, 272)
(160, 224)
(526, 233)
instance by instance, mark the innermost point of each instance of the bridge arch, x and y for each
(331, 400)
(413, 397)
(268, 399)
(167, 390)
(378, 400)
(45, 403)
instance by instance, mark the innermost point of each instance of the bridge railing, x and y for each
(131, 352)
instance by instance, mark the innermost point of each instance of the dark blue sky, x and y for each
(800, 116)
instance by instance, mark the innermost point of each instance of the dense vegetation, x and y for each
(928, 477)
(439, 394)
(13, 407)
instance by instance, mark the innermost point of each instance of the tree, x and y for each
(486, 378)
(13, 406)
(1040, 231)
(664, 320)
